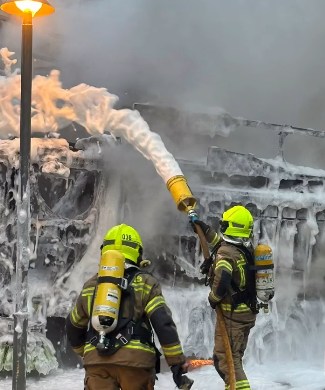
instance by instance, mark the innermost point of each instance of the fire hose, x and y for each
(220, 318)
(186, 202)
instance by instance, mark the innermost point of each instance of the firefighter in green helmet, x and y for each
(232, 287)
(131, 361)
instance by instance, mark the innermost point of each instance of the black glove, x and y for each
(177, 371)
(205, 228)
(181, 381)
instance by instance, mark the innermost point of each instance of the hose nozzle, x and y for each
(181, 193)
(192, 214)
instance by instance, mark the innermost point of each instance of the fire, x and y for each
(200, 363)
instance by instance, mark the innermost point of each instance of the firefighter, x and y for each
(129, 365)
(232, 287)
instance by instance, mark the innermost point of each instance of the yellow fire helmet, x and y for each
(125, 239)
(237, 222)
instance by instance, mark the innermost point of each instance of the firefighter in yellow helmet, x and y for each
(232, 287)
(131, 359)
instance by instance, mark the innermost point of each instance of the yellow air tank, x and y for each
(108, 292)
(264, 274)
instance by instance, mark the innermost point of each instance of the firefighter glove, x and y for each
(181, 381)
(205, 228)
(177, 371)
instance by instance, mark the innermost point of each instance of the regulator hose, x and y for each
(220, 318)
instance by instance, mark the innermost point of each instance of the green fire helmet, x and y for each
(237, 222)
(125, 239)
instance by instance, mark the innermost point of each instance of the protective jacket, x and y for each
(149, 307)
(230, 274)
(229, 284)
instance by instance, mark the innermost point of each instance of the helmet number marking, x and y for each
(127, 237)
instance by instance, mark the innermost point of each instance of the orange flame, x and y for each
(200, 363)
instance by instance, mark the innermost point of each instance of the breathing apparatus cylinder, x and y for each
(108, 291)
(264, 278)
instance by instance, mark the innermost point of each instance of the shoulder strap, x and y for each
(248, 295)
(126, 329)
(130, 274)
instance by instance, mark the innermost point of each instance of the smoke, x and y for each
(146, 204)
(260, 60)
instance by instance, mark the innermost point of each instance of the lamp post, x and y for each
(27, 9)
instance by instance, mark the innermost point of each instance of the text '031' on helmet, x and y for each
(237, 222)
(125, 239)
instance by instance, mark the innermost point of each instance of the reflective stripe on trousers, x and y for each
(241, 385)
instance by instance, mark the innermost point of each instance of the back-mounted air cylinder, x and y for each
(108, 291)
(264, 277)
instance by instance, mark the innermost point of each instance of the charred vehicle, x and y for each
(70, 182)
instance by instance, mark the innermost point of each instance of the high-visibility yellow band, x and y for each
(172, 351)
(240, 386)
(215, 240)
(215, 298)
(88, 348)
(135, 344)
(89, 304)
(146, 288)
(153, 304)
(77, 320)
(140, 289)
(239, 309)
(224, 264)
(85, 290)
(245, 381)
(243, 385)
(242, 277)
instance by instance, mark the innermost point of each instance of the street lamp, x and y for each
(27, 9)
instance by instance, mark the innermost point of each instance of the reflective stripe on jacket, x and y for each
(228, 265)
(150, 306)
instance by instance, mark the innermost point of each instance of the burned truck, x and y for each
(74, 197)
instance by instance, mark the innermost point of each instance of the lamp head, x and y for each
(35, 7)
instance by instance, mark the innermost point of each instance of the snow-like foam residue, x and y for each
(54, 108)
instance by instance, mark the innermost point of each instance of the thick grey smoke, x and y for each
(257, 59)
(262, 60)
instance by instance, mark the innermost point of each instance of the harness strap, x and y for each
(258, 267)
(126, 328)
(121, 282)
(248, 295)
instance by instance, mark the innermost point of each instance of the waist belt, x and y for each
(115, 340)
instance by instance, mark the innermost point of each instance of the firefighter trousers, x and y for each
(110, 377)
(238, 333)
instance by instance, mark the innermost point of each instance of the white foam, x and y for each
(54, 108)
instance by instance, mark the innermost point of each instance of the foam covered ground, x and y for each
(274, 377)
